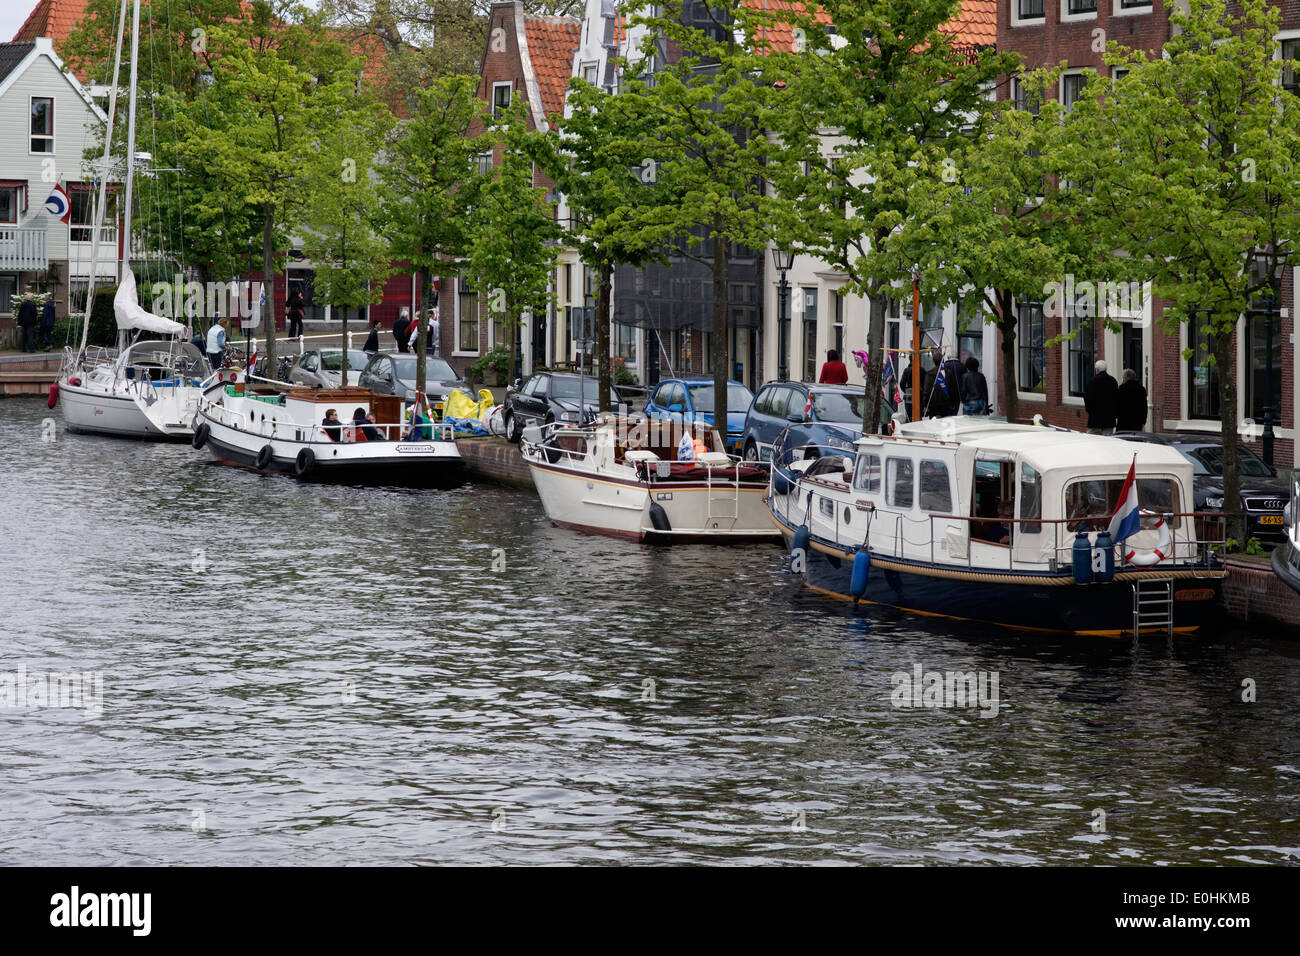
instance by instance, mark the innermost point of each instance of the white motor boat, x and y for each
(1286, 556)
(280, 429)
(621, 477)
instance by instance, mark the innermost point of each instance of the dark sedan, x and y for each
(390, 373)
(552, 397)
(1263, 494)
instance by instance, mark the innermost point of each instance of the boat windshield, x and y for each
(1095, 501)
(738, 398)
(332, 361)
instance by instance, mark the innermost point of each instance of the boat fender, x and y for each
(201, 435)
(1103, 558)
(1081, 556)
(54, 395)
(264, 455)
(782, 481)
(74, 381)
(305, 463)
(552, 453)
(800, 546)
(861, 568)
(1162, 550)
(659, 518)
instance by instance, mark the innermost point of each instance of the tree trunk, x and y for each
(1006, 323)
(875, 364)
(268, 285)
(721, 346)
(343, 334)
(1221, 345)
(421, 349)
(602, 334)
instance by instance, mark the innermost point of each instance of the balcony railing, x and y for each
(23, 249)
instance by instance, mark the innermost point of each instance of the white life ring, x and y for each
(1162, 550)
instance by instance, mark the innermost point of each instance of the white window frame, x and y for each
(1068, 17)
(478, 332)
(1060, 86)
(1119, 10)
(1016, 20)
(18, 213)
(33, 136)
(592, 67)
(509, 86)
(1282, 36)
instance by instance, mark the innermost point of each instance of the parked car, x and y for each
(780, 404)
(552, 397)
(1263, 493)
(322, 367)
(691, 400)
(393, 373)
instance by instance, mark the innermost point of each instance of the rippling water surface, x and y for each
(348, 682)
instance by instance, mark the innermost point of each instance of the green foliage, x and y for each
(494, 360)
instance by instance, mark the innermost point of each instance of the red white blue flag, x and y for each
(1127, 519)
(58, 205)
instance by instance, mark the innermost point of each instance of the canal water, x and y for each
(302, 674)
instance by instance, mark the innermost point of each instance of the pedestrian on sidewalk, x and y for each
(401, 329)
(372, 340)
(833, 371)
(1101, 401)
(27, 323)
(1132, 404)
(974, 389)
(295, 312)
(47, 324)
(435, 331)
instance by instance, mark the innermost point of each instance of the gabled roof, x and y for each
(11, 54)
(552, 42)
(18, 56)
(55, 19)
(976, 25)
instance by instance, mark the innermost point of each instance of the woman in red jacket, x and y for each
(833, 372)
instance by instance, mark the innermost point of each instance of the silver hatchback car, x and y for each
(321, 367)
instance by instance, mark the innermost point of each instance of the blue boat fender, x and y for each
(799, 549)
(1081, 555)
(1103, 558)
(782, 481)
(861, 569)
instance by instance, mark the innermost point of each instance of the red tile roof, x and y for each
(552, 41)
(976, 24)
(55, 19)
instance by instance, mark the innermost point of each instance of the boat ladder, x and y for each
(717, 504)
(1153, 605)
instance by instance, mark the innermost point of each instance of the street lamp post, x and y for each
(782, 260)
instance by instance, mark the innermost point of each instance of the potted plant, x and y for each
(492, 369)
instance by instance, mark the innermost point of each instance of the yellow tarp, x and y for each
(460, 405)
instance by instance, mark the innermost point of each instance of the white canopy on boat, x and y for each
(131, 315)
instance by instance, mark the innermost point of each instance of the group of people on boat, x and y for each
(362, 426)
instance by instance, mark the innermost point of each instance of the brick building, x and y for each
(1182, 392)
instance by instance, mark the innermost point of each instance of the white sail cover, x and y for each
(131, 315)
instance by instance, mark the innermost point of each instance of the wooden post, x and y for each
(916, 345)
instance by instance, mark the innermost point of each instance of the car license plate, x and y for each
(1271, 519)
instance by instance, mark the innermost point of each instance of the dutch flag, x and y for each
(1127, 520)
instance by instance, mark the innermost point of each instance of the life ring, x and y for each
(264, 456)
(53, 398)
(1162, 550)
(201, 435)
(893, 425)
(304, 463)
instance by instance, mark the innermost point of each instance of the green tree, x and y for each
(1189, 165)
(901, 100)
(428, 183)
(341, 238)
(513, 231)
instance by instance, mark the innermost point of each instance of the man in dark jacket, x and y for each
(402, 330)
(953, 373)
(974, 389)
(27, 322)
(47, 324)
(1132, 408)
(372, 340)
(1101, 400)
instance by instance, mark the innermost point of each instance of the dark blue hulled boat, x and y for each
(1286, 556)
(998, 523)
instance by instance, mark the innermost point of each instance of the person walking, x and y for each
(47, 325)
(953, 375)
(27, 323)
(1131, 410)
(1101, 401)
(295, 307)
(372, 340)
(974, 389)
(435, 331)
(833, 372)
(401, 330)
(217, 342)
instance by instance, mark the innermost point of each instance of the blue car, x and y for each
(691, 400)
(834, 418)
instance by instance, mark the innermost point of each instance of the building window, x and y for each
(625, 343)
(42, 124)
(1025, 99)
(1291, 52)
(1202, 377)
(8, 289)
(970, 335)
(1134, 4)
(500, 98)
(1118, 73)
(81, 221)
(1078, 8)
(9, 205)
(1264, 350)
(1080, 351)
(809, 334)
(837, 317)
(466, 316)
(1030, 9)
(1032, 371)
(1071, 88)
(483, 163)
(590, 72)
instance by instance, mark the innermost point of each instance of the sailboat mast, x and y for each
(130, 141)
(101, 201)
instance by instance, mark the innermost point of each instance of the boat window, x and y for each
(899, 477)
(1095, 499)
(936, 491)
(866, 477)
(1031, 498)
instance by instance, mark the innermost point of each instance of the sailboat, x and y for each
(149, 388)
